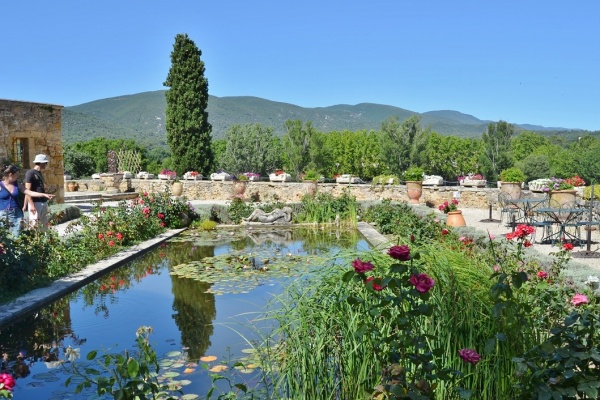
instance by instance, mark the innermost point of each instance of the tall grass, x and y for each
(324, 208)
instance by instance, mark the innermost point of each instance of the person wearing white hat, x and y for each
(38, 206)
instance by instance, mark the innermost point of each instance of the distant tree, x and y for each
(527, 143)
(398, 142)
(535, 166)
(250, 148)
(188, 129)
(450, 156)
(497, 147)
(296, 144)
(350, 152)
(218, 146)
(97, 149)
(77, 163)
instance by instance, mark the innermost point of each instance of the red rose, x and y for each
(360, 267)
(422, 282)
(401, 253)
(376, 285)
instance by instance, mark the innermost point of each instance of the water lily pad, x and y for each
(173, 354)
(208, 358)
(219, 368)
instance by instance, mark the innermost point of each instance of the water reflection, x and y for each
(109, 310)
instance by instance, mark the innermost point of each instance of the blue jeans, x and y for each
(13, 216)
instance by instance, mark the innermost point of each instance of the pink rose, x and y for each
(469, 355)
(579, 299)
(422, 282)
(542, 274)
(8, 381)
(401, 253)
(360, 267)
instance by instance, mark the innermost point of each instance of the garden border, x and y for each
(23, 305)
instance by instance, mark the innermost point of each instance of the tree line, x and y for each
(390, 150)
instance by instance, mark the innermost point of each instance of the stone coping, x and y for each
(23, 305)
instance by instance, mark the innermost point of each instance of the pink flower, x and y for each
(401, 253)
(120, 236)
(110, 233)
(360, 267)
(422, 282)
(111, 243)
(469, 355)
(8, 381)
(162, 224)
(100, 236)
(527, 243)
(496, 268)
(579, 299)
(542, 274)
(161, 216)
(376, 286)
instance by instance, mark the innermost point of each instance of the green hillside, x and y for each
(142, 117)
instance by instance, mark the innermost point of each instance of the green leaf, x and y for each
(348, 276)
(92, 354)
(133, 367)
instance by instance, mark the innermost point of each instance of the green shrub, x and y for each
(204, 225)
(512, 174)
(414, 174)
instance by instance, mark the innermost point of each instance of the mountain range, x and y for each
(142, 117)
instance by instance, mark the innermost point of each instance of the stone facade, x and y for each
(27, 129)
(293, 191)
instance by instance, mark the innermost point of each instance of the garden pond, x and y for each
(203, 293)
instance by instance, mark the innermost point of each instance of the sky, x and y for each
(524, 62)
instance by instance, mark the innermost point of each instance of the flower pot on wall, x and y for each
(455, 218)
(560, 197)
(414, 189)
(512, 189)
(72, 187)
(177, 189)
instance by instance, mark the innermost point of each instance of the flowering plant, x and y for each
(279, 172)
(169, 173)
(575, 181)
(557, 184)
(252, 175)
(446, 206)
(472, 177)
(193, 173)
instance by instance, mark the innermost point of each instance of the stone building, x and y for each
(27, 129)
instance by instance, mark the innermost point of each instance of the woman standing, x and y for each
(11, 212)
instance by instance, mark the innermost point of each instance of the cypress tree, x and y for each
(188, 130)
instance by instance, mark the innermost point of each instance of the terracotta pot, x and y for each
(455, 218)
(560, 197)
(177, 189)
(512, 189)
(414, 189)
(239, 188)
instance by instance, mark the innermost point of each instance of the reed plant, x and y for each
(324, 208)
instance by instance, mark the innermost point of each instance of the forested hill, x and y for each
(142, 117)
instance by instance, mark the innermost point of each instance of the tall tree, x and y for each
(296, 144)
(497, 147)
(250, 148)
(398, 142)
(188, 129)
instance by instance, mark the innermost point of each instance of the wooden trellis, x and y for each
(129, 160)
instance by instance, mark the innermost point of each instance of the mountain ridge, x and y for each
(141, 117)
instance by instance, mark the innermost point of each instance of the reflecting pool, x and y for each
(202, 293)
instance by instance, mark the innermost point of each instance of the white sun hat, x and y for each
(41, 158)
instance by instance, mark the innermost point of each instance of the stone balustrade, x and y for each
(471, 197)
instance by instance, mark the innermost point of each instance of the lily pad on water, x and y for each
(239, 272)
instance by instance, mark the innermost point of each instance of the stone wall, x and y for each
(293, 191)
(32, 128)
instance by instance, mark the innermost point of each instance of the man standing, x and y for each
(38, 206)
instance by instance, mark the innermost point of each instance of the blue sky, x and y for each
(535, 62)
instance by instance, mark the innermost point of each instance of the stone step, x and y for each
(86, 197)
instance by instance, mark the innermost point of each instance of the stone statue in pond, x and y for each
(277, 216)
